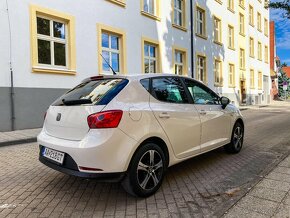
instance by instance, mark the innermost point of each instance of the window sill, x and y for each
(218, 43)
(231, 10)
(260, 30)
(259, 59)
(242, 6)
(152, 16)
(266, 35)
(244, 69)
(219, 1)
(201, 36)
(252, 87)
(252, 56)
(53, 71)
(218, 85)
(252, 25)
(232, 48)
(118, 2)
(179, 27)
(232, 86)
(242, 34)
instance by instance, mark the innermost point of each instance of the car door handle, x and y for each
(202, 112)
(164, 115)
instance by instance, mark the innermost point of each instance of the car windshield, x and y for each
(96, 92)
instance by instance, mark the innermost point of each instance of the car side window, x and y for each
(201, 94)
(169, 89)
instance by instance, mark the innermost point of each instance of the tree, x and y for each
(284, 64)
(281, 79)
(284, 5)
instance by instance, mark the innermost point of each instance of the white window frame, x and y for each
(231, 37)
(180, 11)
(110, 50)
(217, 30)
(152, 6)
(218, 72)
(52, 40)
(200, 21)
(179, 65)
(231, 75)
(199, 68)
(149, 58)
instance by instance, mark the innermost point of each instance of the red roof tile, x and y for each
(287, 71)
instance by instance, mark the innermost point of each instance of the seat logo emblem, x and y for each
(58, 117)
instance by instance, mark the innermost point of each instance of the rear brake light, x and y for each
(106, 119)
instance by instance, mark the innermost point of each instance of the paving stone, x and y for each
(274, 184)
(283, 211)
(239, 212)
(258, 205)
(279, 176)
(268, 194)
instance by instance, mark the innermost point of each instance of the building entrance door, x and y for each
(243, 92)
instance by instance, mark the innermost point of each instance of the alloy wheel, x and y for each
(238, 137)
(150, 170)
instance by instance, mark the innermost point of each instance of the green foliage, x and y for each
(284, 5)
(282, 78)
(284, 64)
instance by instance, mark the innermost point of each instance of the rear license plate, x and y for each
(53, 155)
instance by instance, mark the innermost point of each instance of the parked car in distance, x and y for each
(132, 128)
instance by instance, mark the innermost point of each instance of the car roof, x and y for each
(135, 77)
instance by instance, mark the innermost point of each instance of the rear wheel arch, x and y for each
(239, 120)
(158, 141)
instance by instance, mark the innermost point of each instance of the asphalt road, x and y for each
(204, 186)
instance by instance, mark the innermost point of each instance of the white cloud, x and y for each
(282, 25)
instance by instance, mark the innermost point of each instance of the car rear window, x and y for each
(97, 92)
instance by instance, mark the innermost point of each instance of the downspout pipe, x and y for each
(12, 90)
(191, 38)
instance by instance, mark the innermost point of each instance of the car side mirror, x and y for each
(224, 101)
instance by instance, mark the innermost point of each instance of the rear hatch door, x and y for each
(67, 117)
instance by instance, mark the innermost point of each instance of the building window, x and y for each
(259, 51)
(111, 43)
(180, 61)
(201, 68)
(200, 22)
(259, 22)
(251, 48)
(251, 15)
(231, 5)
(242, 59)
(231, 39)
(150, 56)
(231, 75)
(53, 46)
(266, 53)
(242, 24)
(150, 8)
(260, 80)
(218, 81)
(252, 78)
(266, 27)
(217, 30)
(179, 13)
(111, 53)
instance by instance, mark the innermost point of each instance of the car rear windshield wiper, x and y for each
(76, 101)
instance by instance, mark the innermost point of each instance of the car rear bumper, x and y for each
(70, 168)
(110, 151)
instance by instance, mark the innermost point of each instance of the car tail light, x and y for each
(106, 119)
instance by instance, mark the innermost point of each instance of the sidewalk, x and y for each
(273, 103)
(269, 198)
(18, 137)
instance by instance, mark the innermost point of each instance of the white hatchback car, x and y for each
(131, 128)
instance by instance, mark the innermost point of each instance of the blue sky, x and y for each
(282, 25)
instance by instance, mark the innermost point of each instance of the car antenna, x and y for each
(109, 65)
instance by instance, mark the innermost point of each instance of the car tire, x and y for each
(237, 139)
(146, 171)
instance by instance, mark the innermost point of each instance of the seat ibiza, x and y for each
(132, 128)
